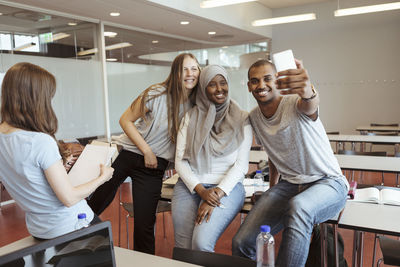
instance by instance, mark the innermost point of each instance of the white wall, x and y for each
(125, 82)
(354, 62)
(79, 101)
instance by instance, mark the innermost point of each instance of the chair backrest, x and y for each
(337, 133)
(209, 259)
(385, 124)
(358, 153)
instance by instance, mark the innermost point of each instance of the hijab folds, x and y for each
(213, 130)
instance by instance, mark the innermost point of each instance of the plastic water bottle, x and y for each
(82, 221)
(258, 181)
(265, 247)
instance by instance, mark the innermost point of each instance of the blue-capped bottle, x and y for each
(258, 181)
(265, 247)
(82, 221)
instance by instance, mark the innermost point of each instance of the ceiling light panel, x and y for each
(281, 20)
(117, 46)
(367, 9)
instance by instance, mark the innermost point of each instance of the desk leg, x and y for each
(335, 240)
(374, 255)
(323, 238)
(355, 249)
(361, 248)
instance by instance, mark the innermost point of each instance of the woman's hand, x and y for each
(150, 160)
(106, 172)
(210, 196)
(204, 212)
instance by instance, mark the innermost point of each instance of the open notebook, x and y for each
(87, 166)
(386, 195)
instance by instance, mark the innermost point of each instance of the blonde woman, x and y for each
(150, 127)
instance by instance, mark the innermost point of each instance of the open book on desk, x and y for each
(389, 196)
(87, 166)
(82, 247)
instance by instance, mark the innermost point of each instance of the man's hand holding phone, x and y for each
(291, 77)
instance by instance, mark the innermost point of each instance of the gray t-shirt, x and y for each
(297, 145)
(155, 129)
(24, 156)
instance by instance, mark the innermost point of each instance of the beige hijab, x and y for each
(213, 130)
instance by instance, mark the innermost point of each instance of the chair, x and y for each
(358, 153)
(390, 251)
(209, 259)
(385, 124)
(336, 133)
(381, 134)
(162, 206)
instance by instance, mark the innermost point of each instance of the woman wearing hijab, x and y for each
(212, 158)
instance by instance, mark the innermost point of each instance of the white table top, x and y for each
(364, 138)
(378, 128)
(370, 217)
(123, 257)
(257, 155)
(369, 163)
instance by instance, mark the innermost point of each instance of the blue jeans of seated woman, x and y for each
(294, 208)
(205, 235)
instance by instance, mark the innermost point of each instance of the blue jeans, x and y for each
(184, 212)
(295, 208)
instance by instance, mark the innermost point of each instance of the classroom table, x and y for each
(378, 129)
(352, 162)
(368, 217)
(368, 163)
(257, 155)
(383, 139)
(123, 257)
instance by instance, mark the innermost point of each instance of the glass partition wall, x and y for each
(70, 50)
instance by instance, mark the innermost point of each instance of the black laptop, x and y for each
(90, 246)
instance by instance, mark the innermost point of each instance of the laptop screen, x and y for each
(91, 246)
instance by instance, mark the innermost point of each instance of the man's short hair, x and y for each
(259, 63)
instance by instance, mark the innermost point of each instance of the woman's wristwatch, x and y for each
(312, 96)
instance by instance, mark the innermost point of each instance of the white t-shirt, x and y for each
(154, 129)
(226, 171)
(24, 156)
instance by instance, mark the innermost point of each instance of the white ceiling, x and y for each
(287, 3)
(143, 21)
(147, 15)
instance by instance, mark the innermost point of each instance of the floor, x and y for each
(12, 226)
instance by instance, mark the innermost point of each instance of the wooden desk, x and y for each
(123, 257)
(378, 129)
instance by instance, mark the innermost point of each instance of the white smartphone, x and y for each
(284, 60)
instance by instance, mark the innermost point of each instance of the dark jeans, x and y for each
(146, 191)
